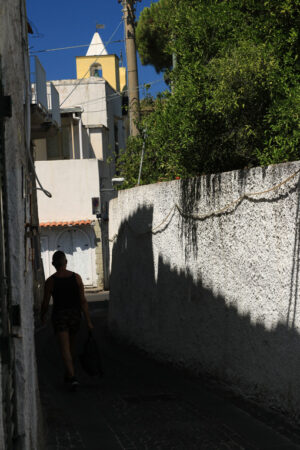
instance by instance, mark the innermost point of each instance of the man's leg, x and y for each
(72, 337)
(64, 342)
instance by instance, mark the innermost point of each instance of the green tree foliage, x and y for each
(153, 35)
(235, 98)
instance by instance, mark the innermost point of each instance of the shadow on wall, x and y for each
(175, 318)
(87, 147)
(192, 191)
(294, 285)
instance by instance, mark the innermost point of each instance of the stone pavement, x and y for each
(139, 404)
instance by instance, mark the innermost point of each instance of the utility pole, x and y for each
(133, 86)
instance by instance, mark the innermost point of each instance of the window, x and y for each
(96, 70)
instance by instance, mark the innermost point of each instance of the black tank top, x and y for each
(65, 293)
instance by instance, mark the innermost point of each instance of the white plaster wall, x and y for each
(72, 184)
(102, 106)
(115, 112)
(15, 72)
(114, 115)
(217, 295)
(96, 139)
(90, 93)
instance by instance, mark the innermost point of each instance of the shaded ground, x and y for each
(139, 404)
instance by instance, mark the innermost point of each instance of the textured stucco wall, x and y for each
(217, 295)
(19, 194)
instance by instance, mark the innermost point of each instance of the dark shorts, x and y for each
(66, 320)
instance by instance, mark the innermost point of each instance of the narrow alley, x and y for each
(140, 404)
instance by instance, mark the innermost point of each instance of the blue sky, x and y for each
(62, 23)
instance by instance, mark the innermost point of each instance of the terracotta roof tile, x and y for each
(70, 223)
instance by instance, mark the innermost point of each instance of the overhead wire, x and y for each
(117, 94)
(123, 18)
(113, 97)
(70, 47)
(101, 110)
(81, 79)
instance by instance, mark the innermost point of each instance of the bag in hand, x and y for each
(90, 358)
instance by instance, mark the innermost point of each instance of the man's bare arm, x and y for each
(47, 295)
(84, 303)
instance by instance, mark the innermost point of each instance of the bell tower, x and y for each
(98, 63)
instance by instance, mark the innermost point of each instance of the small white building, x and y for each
(77, 165)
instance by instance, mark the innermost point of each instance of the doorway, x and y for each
(77, 246)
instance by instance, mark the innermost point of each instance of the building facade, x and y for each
(21, 274)
(77, 165)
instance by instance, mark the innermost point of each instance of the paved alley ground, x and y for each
(140, 404)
